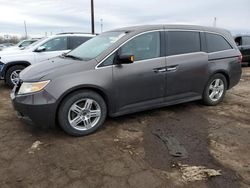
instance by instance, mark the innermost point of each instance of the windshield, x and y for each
(94, 47)
(35, 43)
(26, 43)
(19, 43)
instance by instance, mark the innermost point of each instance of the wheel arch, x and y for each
(96, 89)
(14, 63)
(225, 74)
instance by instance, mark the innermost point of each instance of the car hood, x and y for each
(54, 67)
(10, 55)
(11, 48)
(11, 52)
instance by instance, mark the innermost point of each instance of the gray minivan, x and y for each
(128, 70)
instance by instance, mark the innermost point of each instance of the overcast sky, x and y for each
(74, 15)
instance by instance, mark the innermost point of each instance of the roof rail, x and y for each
(75, 33)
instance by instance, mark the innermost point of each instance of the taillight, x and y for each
(241, 58)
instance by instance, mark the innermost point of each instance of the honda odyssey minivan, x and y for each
(128, 70)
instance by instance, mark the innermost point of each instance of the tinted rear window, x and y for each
(77, 41)
(246, 40)
(182, 42)
(216, 43)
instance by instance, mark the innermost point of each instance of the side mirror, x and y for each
(40, 49)
(125, 59)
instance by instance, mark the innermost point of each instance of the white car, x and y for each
(21, 45)
(14, 61)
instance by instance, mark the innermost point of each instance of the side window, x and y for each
(182, 42)
(76, 41)
(145, 46)
(56, 44)
(108, 61)
(246, 40)
(216, 43)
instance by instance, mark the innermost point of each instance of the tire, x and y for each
(76, 109)
(10, 74)
(212, 99)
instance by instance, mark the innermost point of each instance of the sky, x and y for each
(54, 16)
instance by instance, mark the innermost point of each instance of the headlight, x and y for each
(32, 87)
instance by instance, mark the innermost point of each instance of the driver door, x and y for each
(140, 84)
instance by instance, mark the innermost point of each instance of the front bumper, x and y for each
(36, 109)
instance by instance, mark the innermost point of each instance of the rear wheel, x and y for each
(215, 90)
(12, 75)
(82, 113)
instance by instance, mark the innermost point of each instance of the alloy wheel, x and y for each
(216, 89)
(15, 76)
(84, 114)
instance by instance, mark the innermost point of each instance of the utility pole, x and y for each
(215, 22)
(101, 25)
(92, 17)
(25, 29)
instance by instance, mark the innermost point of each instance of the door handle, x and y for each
(172, 68)
(159, 70)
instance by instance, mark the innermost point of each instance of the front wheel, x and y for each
(215, 90)
(82, 113)
(12, 75)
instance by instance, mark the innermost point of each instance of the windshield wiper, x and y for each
(72, 56)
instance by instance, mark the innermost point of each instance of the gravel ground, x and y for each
(187, 145)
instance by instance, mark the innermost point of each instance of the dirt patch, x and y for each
(190, 128)
(197, 173)
(35, 147)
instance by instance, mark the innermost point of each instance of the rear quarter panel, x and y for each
(228, 63)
